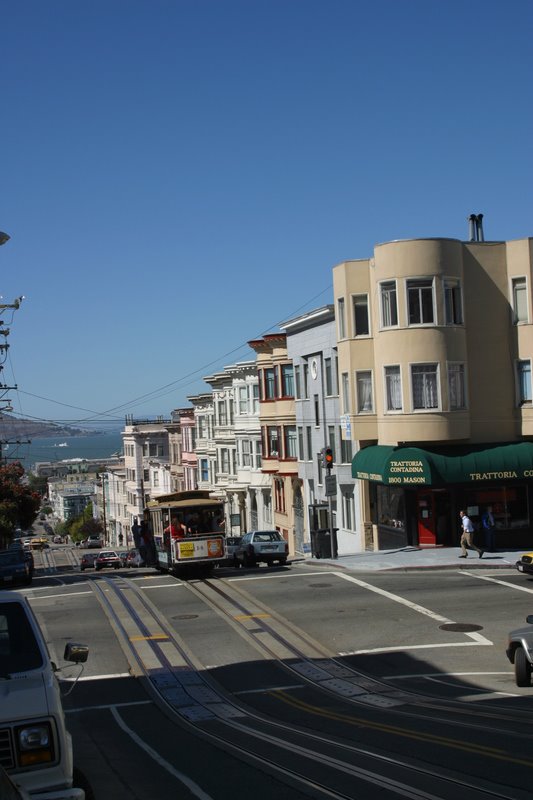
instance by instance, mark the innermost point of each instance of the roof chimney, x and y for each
(472, 228)
(479, 228)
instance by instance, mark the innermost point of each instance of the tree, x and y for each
(83, 525)
(19, 504)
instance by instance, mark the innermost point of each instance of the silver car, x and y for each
(262, 546)
(520, 652)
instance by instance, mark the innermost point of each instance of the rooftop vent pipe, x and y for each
(475, 228)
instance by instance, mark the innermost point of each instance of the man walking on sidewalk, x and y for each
(467, 536)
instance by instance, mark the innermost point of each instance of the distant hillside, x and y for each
(15, 428)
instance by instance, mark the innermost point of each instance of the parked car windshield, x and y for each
(269, 536)
(19, 650)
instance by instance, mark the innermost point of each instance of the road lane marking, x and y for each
(477, 637)
(502, 583)
(400, 648)
(193, 787)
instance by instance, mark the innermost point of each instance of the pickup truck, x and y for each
(35, 746)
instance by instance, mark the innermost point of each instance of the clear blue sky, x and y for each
(164, 161)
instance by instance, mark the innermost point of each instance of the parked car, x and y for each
(134, 559)
(265, 546)
(525, 563)
(14, 567)
(93, 542)
(36, 746)
(87, 561)
(107, 558)
(16, 544)
(520, 652)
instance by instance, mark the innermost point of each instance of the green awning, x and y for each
(412, 466)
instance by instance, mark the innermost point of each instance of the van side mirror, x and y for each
(78, 653)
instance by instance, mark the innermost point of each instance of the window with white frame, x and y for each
(520, 300)
(456, 386)
(224, 460)
(524, 381)
(305, 375)
(202, 427)
(309, 438)
(347, 503)
(361, 323)
(393, 388)
(345, 383)
(255, 393)
(301, 453)
(425, 388)
(365, 400)
(346, 449)
(222, 412)
(389, 304)
(420, 301)
(341, 322)
(328, 375)
(156, 478)
(453, 302)
(243, 399)
(245, 452)
(204, 469)
(297, 384)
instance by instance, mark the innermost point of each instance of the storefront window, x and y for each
(509, 506)
(391, 507)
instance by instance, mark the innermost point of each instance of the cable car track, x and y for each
(177, 680)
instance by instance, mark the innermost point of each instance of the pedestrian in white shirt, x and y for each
(467, 536)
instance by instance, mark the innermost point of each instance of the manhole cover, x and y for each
(186, 616)
(320, 585)
(460, 627)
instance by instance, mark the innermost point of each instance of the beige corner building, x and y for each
(435, 344)
(277, 419)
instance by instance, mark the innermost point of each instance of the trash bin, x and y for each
(321, 543)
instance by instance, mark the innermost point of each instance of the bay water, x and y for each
(102, 445)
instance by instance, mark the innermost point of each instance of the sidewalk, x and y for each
(415, 558)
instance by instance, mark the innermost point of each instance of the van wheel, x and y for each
(79, 781)
(522, 668)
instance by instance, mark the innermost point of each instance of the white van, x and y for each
(35, 746)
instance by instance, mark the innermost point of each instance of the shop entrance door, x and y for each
(427, 533)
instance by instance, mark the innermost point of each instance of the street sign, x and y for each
(331, 485)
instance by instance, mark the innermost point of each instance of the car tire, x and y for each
(522, 668)
(283, 562)
(79, 781)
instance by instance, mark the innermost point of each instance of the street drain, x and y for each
(460, 627)
(186, 616)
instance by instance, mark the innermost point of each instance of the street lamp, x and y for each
(4, 237)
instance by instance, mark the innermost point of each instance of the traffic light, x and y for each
(328, 457)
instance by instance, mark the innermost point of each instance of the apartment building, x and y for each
(312, 347)
(146, 463)
(188, 449)
(435, 344)
(277, 418)
(69, 498)
(203, 411)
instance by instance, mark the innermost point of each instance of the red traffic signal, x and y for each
(328, 457)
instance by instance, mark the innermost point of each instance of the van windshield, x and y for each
(19, 649)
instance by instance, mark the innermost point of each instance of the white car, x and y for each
(36, 746)
(262, 546)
